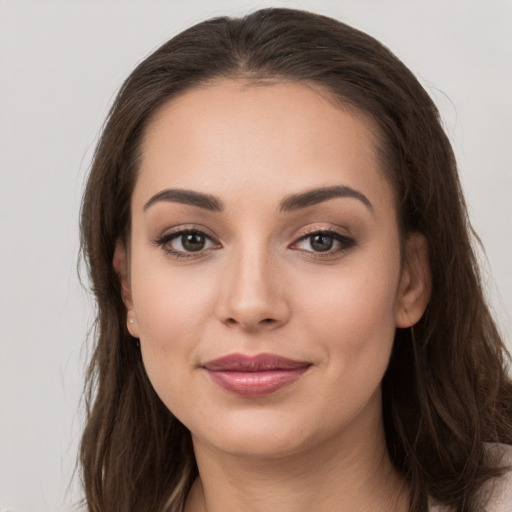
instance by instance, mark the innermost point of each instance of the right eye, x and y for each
(186, 243)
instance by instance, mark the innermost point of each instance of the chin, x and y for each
(259, 434)
(263, 444)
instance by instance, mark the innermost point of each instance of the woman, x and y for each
(286, 320)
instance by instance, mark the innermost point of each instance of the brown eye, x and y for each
(321, 242)
(193, 241)
(326, 242)
(185, 242)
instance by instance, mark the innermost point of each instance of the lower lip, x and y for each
(256, 383)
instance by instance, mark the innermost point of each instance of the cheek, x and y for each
(352, 315)
(352, 323)
(172, 309)
(169, 302)
(356, 299)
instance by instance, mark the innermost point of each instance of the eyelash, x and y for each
(344, 242)
(165, 240)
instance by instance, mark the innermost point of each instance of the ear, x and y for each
(415, 282)
(121, 267)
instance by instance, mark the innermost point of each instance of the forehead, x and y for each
(277, 137)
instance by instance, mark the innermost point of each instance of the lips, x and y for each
(254, 375)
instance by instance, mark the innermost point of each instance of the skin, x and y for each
(260, 286)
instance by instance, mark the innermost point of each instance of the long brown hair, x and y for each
(446, 391)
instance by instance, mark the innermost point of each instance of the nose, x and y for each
(252, 292)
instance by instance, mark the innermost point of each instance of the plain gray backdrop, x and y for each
(61, 63)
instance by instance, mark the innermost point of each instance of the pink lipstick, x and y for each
(254, 375)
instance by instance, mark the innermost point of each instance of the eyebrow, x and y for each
(289, 204)
(319, 195)
(206, 201)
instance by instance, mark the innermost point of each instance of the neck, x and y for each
(348, 472)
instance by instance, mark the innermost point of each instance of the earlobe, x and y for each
(415, 282)
(120, 264)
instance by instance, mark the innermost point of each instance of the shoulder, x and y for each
(500, 489)
(498, 492)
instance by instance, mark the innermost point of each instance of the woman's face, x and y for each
(264, 276)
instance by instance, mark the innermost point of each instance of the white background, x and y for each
(60, 65)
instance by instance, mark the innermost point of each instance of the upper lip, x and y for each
(256, 363)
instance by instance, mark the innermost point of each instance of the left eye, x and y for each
(184, 242)
(323, 242)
